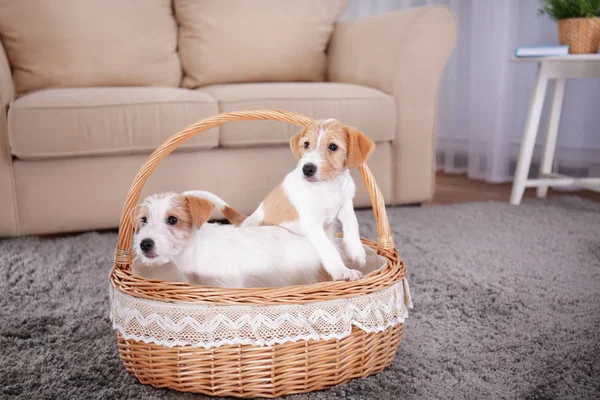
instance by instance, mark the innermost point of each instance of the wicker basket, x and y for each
(247, 370)
(581, 34)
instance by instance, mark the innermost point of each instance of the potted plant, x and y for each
(578, 23)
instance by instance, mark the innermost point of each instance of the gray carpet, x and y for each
(507, 305)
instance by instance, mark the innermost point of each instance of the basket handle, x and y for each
(123, 254)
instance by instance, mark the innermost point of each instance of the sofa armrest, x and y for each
(403, 54)
(8, 213)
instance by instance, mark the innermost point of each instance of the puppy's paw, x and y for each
(357, 254)
(346, 274)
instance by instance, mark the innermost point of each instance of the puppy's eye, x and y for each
(306, 145)
(171, 220)
(144, 220)
(333, 147)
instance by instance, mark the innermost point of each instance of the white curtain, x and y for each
(484, 97)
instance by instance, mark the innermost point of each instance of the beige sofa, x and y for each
(69, 154)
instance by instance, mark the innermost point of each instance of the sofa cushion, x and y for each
(94, 121)
(368, 109)
(223, 41)
(66, 43)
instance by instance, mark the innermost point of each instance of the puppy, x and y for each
(172, 227)
(319, 191)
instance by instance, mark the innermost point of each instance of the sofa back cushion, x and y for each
(223, 41)
(66, 43)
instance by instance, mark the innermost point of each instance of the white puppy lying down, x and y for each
(171, 227)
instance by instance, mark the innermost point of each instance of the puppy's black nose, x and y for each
(309, 169)
(147, 244)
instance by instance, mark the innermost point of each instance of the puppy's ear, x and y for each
(134, 216)
(199, 209)
(360, 147)
(295, 143)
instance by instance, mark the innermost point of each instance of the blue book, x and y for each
(541, 51)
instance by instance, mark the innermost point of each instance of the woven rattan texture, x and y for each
(581, 34)
(251, 371)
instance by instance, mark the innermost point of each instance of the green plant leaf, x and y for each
(561, 9)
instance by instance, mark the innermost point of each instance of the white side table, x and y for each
(559, 69)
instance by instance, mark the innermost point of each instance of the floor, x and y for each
(457, 188)
(506, 306)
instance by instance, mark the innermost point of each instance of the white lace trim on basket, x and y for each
(209, 326)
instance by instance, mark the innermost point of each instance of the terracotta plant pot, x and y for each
(581, 34)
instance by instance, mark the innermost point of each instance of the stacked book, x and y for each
(541, 51)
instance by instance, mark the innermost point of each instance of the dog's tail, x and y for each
(222, 209)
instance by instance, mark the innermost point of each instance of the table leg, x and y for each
(529, 134)
(552, 133)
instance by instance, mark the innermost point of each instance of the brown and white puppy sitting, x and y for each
(319, 191)
(172, 228)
